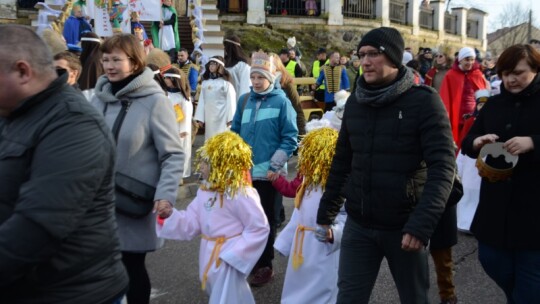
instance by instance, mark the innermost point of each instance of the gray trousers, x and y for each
(362, 251)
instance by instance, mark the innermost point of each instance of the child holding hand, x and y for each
(313, 250)
(228, 216)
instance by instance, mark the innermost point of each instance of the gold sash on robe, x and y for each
(298, 258)
(220, 240)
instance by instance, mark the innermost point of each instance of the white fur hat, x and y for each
(291, 42)
(481, 93)
(466, 52)
(341, 97)
(407, 56)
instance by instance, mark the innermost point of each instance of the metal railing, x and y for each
(450, 24)
(232, 6)
(364, 9)
(295, 7)
(398, 11)
(26, 4)
(427, 16)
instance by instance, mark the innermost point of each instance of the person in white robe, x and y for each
(466, 208)
(240, 77)
(179, 95)
(228, 216)
(237, 63)
(217, 100)
(313, 262)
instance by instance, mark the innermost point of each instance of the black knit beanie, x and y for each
(387, 40)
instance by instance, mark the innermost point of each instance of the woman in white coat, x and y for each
(217, 101)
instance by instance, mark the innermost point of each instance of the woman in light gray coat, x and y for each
(148, 147)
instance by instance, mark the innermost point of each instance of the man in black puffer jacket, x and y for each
(58, 241)
(395, 164)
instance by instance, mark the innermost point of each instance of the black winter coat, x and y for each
(58, 241)
(508, 212)
(396, 163)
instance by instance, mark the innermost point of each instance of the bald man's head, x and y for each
(26, 66)
(22, 43)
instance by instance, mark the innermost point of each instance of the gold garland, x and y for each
(315, 156)
(229, 159)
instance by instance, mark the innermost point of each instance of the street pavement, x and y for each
(174, 269)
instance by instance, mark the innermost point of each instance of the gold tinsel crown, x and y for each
(315, 155)
(229, 158)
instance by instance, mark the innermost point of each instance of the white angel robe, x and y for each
(466, 208)
(184, 125)
(241, 221)
(315, 280)
(217, 104)
(241, 78)
(166, 32)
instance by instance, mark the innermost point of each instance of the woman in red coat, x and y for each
(458, 87)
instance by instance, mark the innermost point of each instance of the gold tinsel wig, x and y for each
(229, 159)
(315, 155)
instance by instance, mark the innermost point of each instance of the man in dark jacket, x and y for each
(58, 240)
(394, 162)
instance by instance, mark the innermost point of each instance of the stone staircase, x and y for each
(213, 36)
(54, 15)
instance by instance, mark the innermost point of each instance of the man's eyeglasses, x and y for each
(370, 55)
(439, 56)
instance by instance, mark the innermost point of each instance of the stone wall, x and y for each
(8, 11)
(312, 34)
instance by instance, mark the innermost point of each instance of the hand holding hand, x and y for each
(163, 208)
(519, 145)
(323, 233)
(480, 141)
(411, 243)
(200, 123)
(160, 24)
(272, 176)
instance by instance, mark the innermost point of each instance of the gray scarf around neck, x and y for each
(379, 97)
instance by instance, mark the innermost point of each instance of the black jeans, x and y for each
(139, 281)
(362, 251)
(268, 196)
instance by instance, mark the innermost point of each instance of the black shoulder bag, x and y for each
(134, 198)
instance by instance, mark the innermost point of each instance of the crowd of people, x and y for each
(94, 147)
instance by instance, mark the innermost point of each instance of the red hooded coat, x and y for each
(452, 92)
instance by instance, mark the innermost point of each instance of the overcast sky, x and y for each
(495, 7)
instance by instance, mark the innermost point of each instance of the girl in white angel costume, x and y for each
(179, 95)
(217, 101)
(313, 250)
(228, 216)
